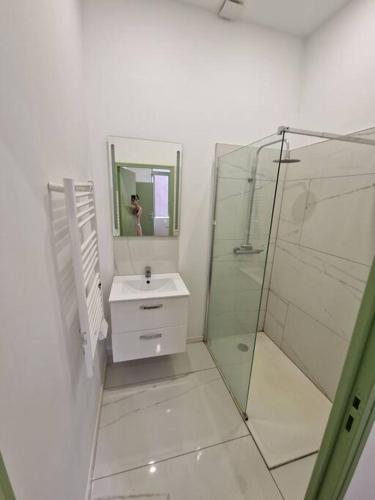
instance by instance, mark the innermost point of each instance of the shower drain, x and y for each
(242, 347)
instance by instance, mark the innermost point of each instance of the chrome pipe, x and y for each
(252, 191)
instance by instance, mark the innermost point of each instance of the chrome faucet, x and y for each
(148, 272)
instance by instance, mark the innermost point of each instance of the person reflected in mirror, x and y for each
(137, 211)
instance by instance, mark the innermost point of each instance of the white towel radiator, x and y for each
(81, 214)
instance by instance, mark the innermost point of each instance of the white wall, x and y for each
(162, 70)
(48, 406)
(363, 481)
(338, 92)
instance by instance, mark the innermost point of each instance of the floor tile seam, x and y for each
(156, 380)
(247, 435)
(265, 463)
(288, 462)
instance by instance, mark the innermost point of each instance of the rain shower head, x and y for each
(287, 158)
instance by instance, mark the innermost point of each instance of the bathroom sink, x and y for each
(137, 287)
(150, 285)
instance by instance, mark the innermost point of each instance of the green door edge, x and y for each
(348, 427)
(6, 491)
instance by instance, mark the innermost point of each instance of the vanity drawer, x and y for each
(147, 343)
(146, 314)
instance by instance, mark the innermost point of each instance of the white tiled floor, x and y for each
(169, 430)
(179, 438)
(195, 358)
(292, 479)
(158, 420)
(229, 471)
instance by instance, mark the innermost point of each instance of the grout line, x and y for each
(328, 177)
(304, 212)
(171, 458)
(280, 207)
(284, 325)
(339, 335)
(288, 462)
(96, 434)
(325, 253)
(264, 461)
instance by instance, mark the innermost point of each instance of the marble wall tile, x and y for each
(325, 243)
(266, 285)
(293, 210)
(261, 212)
(274, 322)
(328, 288)
(232, 208)
(235, 163)
(262, 317)
(340, 217)
(233, 275)
(316, 350)
(278, 202)
(222, 149)
(332, 158)
(133, 254)
(228, 323)
(237, 301)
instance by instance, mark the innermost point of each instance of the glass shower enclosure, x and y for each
(245, 193)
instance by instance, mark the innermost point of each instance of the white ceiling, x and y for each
(297, 17)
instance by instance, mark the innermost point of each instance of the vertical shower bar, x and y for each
(252, 191)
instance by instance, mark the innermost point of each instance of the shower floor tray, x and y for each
(287, 412)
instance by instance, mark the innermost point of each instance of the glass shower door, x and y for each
(245, 193)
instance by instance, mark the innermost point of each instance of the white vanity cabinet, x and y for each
(153, 324)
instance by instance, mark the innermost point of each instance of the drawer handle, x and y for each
(150, 336)
(146, 308)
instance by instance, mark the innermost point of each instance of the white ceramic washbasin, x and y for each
(137, 287)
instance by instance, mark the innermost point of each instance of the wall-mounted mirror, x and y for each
(145, 179)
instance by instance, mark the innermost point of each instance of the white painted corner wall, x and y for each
(48, 405)
(338, 85)
(363, 481)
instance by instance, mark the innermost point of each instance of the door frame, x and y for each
(353, 411)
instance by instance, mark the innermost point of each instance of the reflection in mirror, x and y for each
(145, 186)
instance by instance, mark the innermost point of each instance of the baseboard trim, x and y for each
(94, 442)
(191, 340)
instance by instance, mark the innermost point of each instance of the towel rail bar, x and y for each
(93, 326)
